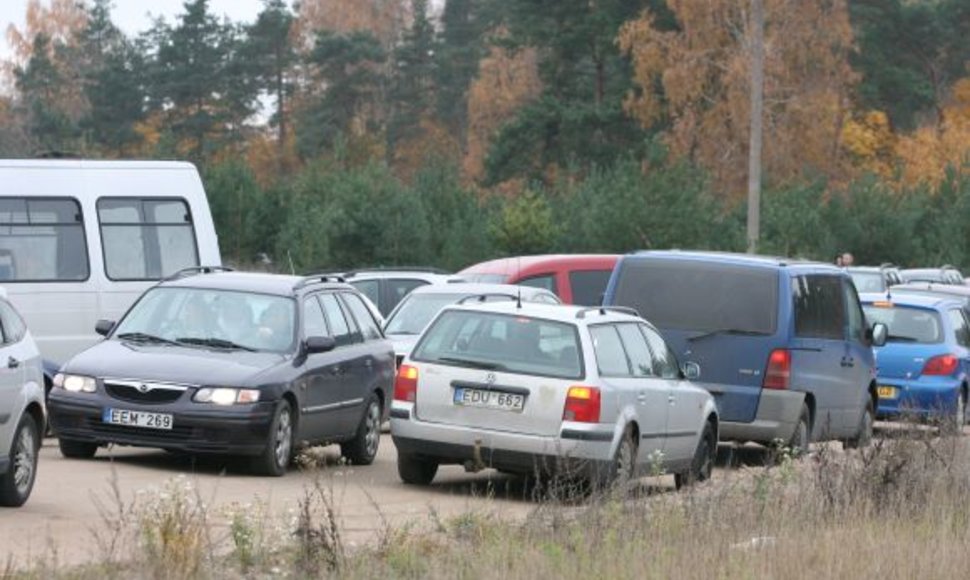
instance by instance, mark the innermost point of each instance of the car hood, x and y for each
(403, 343)
(174, 364)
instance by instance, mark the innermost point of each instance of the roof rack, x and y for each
(427, 270)
(486, 296)
(604, 309)
(318, 279)
(184, 272)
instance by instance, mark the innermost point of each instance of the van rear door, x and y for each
(722, 316)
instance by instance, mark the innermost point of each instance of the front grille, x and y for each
(176, 433)
(153, 394)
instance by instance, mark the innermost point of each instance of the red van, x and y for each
(575, 278)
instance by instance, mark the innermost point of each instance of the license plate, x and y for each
(137, 419)
(886, 392)
(489, 399)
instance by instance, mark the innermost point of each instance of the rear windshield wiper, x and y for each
(900, 338)
(144, 337)
(476, 364)
(734, 331)
(215, 343)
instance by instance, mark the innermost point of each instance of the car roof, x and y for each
(474, 288)
(755, 260)
(915, 300)
(93, 164)
(559, 312)
(258, 282)
(514, 265)
(934, 287)
(867, 269)
(432, 277)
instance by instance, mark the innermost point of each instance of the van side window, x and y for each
(819, 308)
(365, 320)
(146, 239)
(14, 328)
(42, 240)
(857, 320)
(960, 327)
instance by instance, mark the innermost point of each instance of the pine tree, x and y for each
(412, 85)
(270, 53)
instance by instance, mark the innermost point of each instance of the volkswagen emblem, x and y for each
(143, 388)
(490, 379)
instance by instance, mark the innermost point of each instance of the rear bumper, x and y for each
(925, 398)
(578, 448)
(777, 417)
(242, 431)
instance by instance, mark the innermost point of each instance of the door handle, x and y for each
(336, 371)
(642, 397)
(671, 399)
(12, 363)
(368, 363)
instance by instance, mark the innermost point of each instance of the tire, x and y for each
(414, 470)
(954, 424)
(702, 466)
(73, 449)
(17, 483)
(623, 467)
(864, 435)
(362, 449)
(275, 458)
(802, 436)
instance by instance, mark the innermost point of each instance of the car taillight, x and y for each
(778, 371)
(582, 405)
(406, 384)
(943, 365)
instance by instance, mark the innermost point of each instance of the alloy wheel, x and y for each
(284, 438)
(373, 428)
(24, 461)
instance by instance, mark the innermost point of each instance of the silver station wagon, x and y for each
(538, 389)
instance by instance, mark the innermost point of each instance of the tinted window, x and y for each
(516, 344)
(42, 240)
(545, 281)
(13, 326)
(365, 320)
(700, 296)
(146, 239)
(369, 288)
(397, 289)
(588, 286)
(664, 361)
(819, 309)
(335, 320)
(313, 322)
(636, 348)
(960, 328)
(610, 356)
(857, 322)
(906, 324)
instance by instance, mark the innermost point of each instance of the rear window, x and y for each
(588, 286)
(485, 278)
(868, 281)
(515, 344)
(906, 324)
(700, 296)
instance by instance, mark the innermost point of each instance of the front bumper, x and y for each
(241, 430)
(924, 398)
(580, 449)
(777, 417)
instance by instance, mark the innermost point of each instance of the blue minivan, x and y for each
(781, 344)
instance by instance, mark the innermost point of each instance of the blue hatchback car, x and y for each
(781, 344)
(922, 369)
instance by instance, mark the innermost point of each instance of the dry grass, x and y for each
(895, 510)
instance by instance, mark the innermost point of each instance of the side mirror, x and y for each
(318, 344)
(104, 327)
(691, 371)
(878, 334)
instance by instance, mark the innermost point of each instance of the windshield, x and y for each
(868, 281)
(501, 342)
(701, 297)
(907, 324)
(211, 318)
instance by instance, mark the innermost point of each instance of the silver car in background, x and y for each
(417, 309)
(527, 388)
(22, 414)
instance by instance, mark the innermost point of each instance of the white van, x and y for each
(81, 240)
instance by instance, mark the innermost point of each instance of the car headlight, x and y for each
(226, 396)
(75, 383)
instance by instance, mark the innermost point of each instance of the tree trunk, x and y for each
(757, 112)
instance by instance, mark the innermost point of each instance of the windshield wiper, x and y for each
(144, 337)
(475, 364)
(215, 343)
(734, 331)
(900, 338)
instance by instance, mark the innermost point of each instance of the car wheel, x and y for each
(77, 449)
(625, 461)
(702, 467)
(414, 470)
(18, 481)
(864, 435)
(362, 449)
(802, 436)
(955, 423)
(279, 443)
